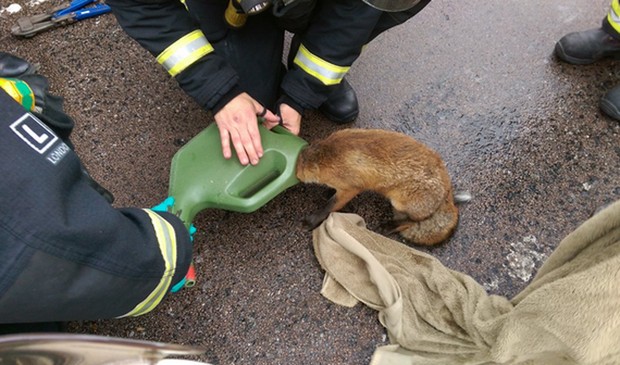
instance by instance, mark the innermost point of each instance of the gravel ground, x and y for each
(475, 80)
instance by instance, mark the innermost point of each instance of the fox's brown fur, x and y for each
(410, 174)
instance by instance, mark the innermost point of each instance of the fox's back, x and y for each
(372, 159)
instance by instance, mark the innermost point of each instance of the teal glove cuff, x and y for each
(178, 286)
(192, 231)
(165, 206)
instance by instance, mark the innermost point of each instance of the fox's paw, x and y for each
(314, 220)
(389, 227)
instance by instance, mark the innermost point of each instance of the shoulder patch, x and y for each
(39, 137)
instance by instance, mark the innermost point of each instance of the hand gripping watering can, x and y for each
(201, 178)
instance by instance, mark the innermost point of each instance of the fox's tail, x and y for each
(434, 229)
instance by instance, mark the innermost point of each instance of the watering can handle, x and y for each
(281, 130)
(267, 187)
(197, 184)
(271, 184)
(247, 201)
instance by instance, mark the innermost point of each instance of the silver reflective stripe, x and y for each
(327, 73)
(613, 17)
(166, 239)
(184, 52)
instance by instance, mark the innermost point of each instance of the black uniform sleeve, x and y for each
(336, 33)
(65, 252)
(158, 24)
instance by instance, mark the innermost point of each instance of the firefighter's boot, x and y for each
(341, 106)
(610, 103)
(588, 46)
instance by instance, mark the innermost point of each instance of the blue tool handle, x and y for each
(92, 12)
(75, 5)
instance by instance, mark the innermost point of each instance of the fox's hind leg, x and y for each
(418, 204)
(399, 222)
(394, 226)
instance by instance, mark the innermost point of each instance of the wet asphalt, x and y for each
(475, 80)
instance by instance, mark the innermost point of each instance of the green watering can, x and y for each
(201, 178)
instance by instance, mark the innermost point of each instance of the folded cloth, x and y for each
(568, 314)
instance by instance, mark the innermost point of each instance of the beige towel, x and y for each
(569, 314)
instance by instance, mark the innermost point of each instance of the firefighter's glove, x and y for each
(13, 66)
(166, 206)
(47, 107)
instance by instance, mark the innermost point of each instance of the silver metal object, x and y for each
(392, 5)
(77, 349)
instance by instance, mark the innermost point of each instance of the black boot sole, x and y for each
(340, 120)
(610, 109)
(561, 54)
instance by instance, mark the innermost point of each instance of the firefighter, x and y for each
(589, 46)
(65, 252)
(227, 55)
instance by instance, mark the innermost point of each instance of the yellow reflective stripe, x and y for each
(168, 247)
(185, 51)
(327, 73)
(614, 15)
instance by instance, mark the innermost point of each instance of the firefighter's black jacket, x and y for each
(335, 34)
(65, 252)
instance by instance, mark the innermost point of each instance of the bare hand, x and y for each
(291, 119)
(237, 122)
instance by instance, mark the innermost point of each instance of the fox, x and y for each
(411, 175)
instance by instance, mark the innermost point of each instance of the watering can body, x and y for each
(201, 178)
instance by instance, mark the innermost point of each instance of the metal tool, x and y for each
(80, 349)
(29, 26)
